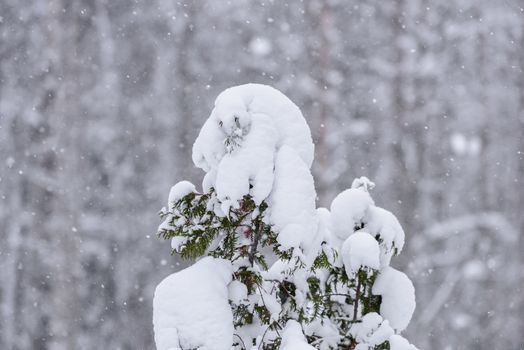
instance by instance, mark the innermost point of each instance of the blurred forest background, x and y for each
(101, 100)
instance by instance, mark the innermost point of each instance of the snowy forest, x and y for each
(102, 100)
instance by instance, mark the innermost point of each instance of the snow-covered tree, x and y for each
(273, 271)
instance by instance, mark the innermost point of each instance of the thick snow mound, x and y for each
(292, 201)
(244, 102)
(237, 292)
(192, 303)
(180, 190)
(324, 225)
(348, 210)
(324, 238)
(360, 250)
(237, 143)
(293, 338)
(384, 225)
(398, 297)
(372, 331)
(324, 328)
(397, 342)
(249, 164)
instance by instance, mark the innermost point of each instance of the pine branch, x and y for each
(254, 245)
(357, 297)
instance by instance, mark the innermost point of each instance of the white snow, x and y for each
(257, 142)
(180, 190)
(354, 207)
(292, 201)
(372, 330)
(397, 342)
(360, 250)
(194, 302)
(237, 144)
(177, 242)
(348, 209)
(237, 292)
(289, 121)
(251, 163)
(325, 329)
(384, 225)
(277, 270)
(398, 297)
(293, 338)
(272, 304)
(324, 225)
(324, 237)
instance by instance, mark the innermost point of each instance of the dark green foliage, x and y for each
(238, 236)
(193, 219)
(383, 346)
(321, 262)
(241, 237)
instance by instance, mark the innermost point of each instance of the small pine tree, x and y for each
(293, 267)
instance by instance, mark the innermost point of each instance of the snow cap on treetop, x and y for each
(237, 144)
(256, 142)
(348, 210)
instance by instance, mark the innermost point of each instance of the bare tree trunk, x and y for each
(63, 32)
